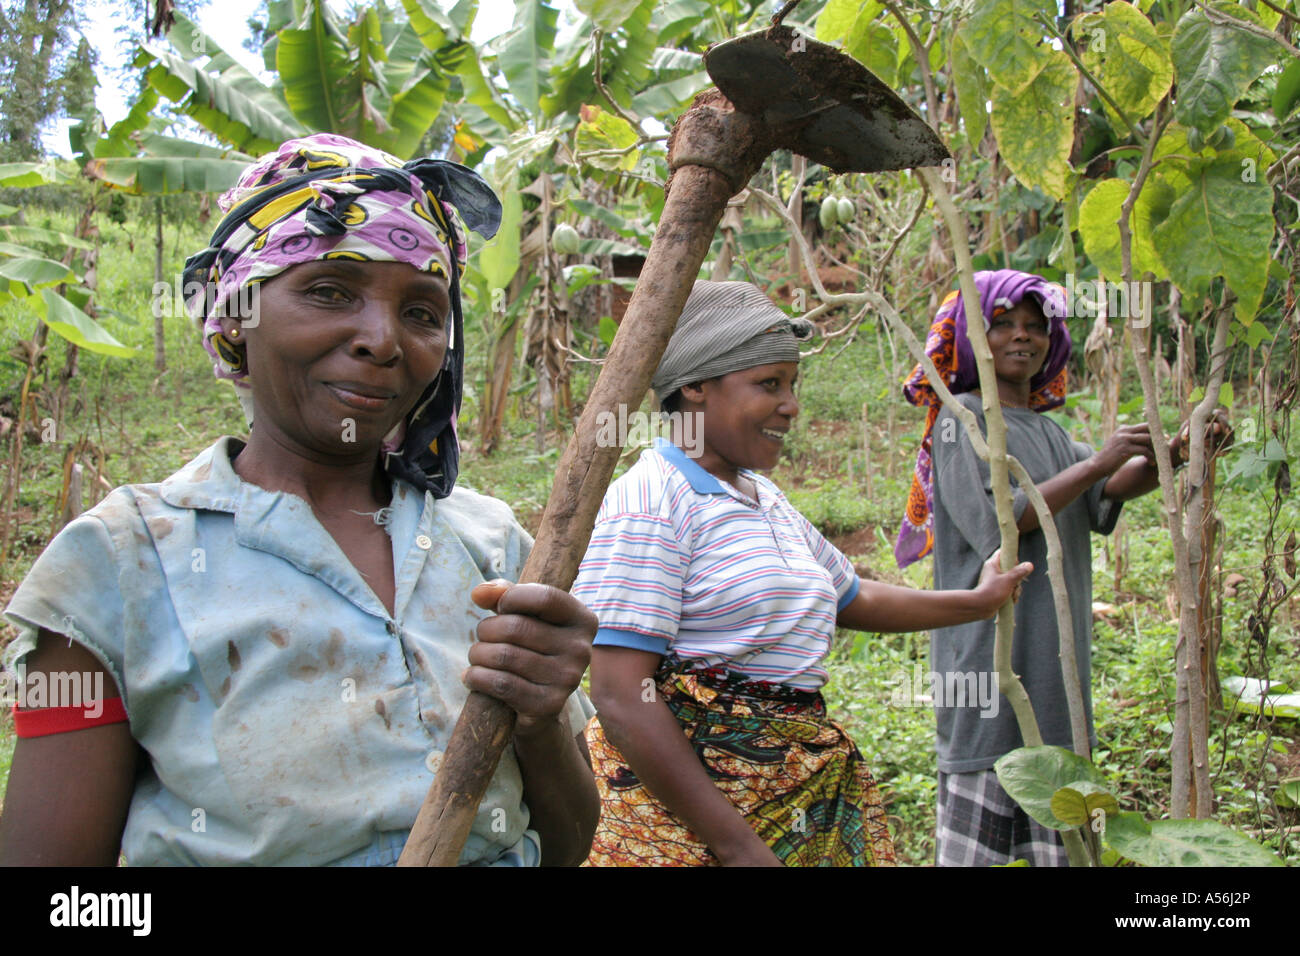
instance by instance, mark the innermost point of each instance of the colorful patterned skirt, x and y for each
(794, 774)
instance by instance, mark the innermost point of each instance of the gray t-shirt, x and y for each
(975, 723)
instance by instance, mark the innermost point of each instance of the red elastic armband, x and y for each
(44, 721)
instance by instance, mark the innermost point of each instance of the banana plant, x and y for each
(375, 78)
(216, 91)
(51, 287)
(135, 156)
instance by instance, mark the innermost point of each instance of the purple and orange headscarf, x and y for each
(330, 197)
(948, 346)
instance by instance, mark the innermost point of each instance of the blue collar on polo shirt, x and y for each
(699, 479)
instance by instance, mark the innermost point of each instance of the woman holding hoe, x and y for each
(285, 627)
(717, 604)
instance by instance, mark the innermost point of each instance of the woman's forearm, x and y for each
(889, 608)
(1059, 490)
(659, 754)
(563, 804)
(1134, 479)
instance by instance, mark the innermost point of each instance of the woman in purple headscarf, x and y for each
(260, 660)
(950, 513)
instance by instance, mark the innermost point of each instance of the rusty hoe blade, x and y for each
(821, 103)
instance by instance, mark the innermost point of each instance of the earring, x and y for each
(234, 333)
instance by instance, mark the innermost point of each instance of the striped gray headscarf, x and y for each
(726, 327)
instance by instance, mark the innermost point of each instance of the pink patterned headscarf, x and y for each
(948, 345)
(329, 197)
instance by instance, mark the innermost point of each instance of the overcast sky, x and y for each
(226, 21)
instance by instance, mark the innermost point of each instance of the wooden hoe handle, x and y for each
(694, 205)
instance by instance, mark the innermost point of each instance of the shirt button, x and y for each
(433, 761)
(423, 542)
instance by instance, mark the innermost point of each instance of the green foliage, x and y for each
(377, 79)
(1006, 38)
(43, 68)
(864, 38)
(1215, 60)
(27, 270)
(1033, 776)
(78, 328)
(1122, 49)
(498, 258)
(26, 274)
(1099, 213)
(973, 89)
(1222, 225)
(1040, 157)
(25, 175)
(1205, 212)
(1287, 94)
(1078, 803)
(1184, 843)
(601, 130)
(608, 15)
(523, 57)
(159, 175)
(312, 62)
(230, 103)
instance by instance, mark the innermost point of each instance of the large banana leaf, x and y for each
(192, 43)
(381, 81)
(31, 174)
(523, 59)
(484, 111)
(117, 139)
(432, 25)
(24, 271)
(414, 109)
(49, 237)
(675, 76)
(77, 327)
(228, 107)
(156, 175)
(625, 64)
(312, 61)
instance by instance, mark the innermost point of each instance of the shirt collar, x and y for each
(703, 482)
(209, 481)
(699, 479)
(282, 524)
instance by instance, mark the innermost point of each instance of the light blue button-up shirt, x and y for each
(287, 717)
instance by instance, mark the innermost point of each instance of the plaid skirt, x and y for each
(980, 825)
(794, 774)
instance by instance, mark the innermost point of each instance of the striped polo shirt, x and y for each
(682, 562)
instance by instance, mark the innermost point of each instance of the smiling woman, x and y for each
(717, 604)
(340, 342)
(950, 513)
(288, 621)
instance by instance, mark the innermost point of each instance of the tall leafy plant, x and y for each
(1183, 199)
